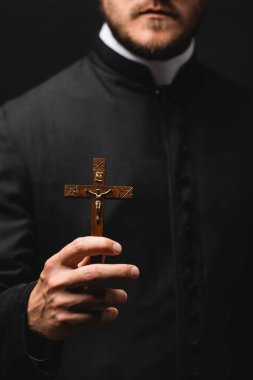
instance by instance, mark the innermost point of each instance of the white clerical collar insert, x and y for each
(164, 72)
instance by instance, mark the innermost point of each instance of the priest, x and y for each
(164, 293)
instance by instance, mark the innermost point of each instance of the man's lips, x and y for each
(158, 13)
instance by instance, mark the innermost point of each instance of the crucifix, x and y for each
(98, 192)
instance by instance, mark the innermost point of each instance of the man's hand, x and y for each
(70, 293)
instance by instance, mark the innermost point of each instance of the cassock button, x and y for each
(195, 345)
(185, 180)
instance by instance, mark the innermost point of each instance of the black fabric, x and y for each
(186, 149)
(16, 343)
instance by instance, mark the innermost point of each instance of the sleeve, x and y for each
(21, 354)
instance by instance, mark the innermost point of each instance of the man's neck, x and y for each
(164, 72)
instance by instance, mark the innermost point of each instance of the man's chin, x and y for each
(153, 49)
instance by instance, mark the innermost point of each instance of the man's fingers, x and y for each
(90, 299)
(73, 253)
(102, 316)
(99, 299)
(79, 319)
(67, 323)
(95, 274)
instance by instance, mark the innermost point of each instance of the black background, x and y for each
(40, 37)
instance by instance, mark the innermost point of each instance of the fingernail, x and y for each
(117, 248)
(125, 296)
(135, 272)
(115, 314)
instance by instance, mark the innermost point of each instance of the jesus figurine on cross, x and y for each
(98, 202)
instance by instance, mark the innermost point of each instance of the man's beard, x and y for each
(159, 50)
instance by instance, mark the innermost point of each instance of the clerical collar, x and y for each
(164, 72)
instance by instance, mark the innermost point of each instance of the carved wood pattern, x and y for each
(126, 192)
(70, 190)
(99, 164)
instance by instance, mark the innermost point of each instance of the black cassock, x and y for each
(187, 150)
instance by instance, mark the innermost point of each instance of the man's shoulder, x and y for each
(220, 87)
(49, 104)
(69, 82)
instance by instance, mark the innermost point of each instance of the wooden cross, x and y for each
(98, 192)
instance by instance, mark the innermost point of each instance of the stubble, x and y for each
(161, 48)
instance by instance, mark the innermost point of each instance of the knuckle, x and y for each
(106, 245)
(48, 266)
(53, 283)
(53, 301)
(92, 273)
(78, 245)
(102, 244)
(129, 273)
(125, 271)
(56, 302)
(62, 320)
(43, 276)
